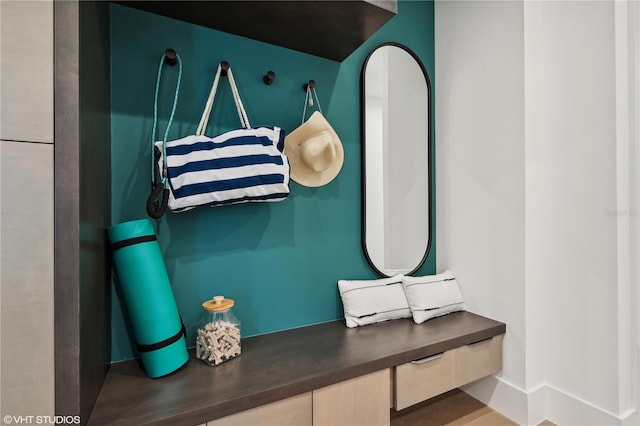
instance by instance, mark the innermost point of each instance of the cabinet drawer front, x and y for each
(362, 401)
(478, 360)
(294, 411)
(423, 379)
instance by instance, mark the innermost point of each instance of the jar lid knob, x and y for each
(218, 304)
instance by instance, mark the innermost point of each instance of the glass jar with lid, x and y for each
(218, 334)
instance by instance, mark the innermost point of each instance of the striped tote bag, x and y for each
(242, 165)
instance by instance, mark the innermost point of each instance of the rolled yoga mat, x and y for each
(148, 297)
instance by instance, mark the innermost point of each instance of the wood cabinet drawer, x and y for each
(294, 411)
(478, 360)
(422, 379)
(362, 401)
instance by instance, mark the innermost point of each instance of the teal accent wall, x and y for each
(279, 261)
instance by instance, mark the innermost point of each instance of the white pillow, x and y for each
(433, 295)
(370, 301)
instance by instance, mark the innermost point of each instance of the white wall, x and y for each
(480, 162)
(548, 206)
(634, 157)
(571, 250)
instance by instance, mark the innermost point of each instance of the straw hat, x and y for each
(314, 151)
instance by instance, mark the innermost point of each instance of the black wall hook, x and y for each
(310, 84)
(170, 57)
(224, 65)
(269, 77)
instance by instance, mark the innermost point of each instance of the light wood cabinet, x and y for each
(26, 218)
(478, 360)
(26, 260)
(360, 401)
(294, 411)
(422, 379)
(26, 55)
(364, 400)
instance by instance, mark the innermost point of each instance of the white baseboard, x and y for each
(504, 397)
(566, 409)
(543, 403)
(633, 419)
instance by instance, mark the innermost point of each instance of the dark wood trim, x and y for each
(329, 29)
(95, 200)
(66, 207)
(82, 205)
(276, 366)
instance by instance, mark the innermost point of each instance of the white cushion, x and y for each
(432, 296)
(370, 301)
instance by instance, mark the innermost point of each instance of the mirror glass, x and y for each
(396, 150)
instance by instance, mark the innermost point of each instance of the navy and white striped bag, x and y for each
(241, 165)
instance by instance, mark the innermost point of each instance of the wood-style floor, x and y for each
(452, 408)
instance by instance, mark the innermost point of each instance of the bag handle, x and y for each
(155, 208)
(244, 121)
(308, 99)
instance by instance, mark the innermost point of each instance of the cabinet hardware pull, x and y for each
(479, 342)
(427, 359)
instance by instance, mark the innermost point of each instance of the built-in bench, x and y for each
(305, 365)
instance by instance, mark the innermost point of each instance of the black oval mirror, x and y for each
(396, 151)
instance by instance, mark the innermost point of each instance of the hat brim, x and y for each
(300, 171)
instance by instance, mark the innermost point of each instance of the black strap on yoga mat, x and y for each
(165, 342)
(132, 241)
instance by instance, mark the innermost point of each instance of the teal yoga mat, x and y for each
(148, 297)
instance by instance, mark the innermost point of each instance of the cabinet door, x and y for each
(360, 401)
(26, 261)
(26, 58)
(294, 411)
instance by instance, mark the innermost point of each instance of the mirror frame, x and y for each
(363, 166)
